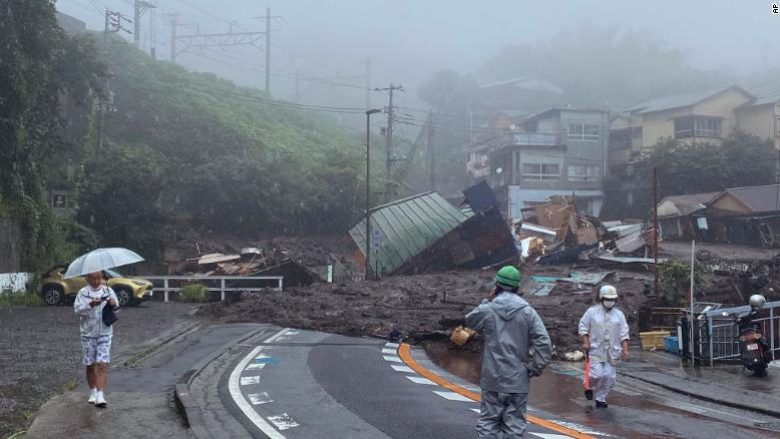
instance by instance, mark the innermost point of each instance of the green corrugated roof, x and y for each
(407, 227)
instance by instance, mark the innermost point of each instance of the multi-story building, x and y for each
(560, 151)
(703, 117)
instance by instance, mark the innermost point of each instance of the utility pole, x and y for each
(268, 50)
(431, 153)
(174, 25)
(368, 82)
(139, 7)
(297, 86)
(389, 135)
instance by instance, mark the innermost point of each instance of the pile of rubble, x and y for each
(556, 233)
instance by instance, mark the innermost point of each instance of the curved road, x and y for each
(303, 384)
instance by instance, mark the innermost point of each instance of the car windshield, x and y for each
(112, 273)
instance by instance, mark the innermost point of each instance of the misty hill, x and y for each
(191, 151)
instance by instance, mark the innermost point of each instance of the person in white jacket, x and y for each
(604, 333)
(95, 335)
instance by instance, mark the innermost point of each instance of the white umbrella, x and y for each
(101, 259)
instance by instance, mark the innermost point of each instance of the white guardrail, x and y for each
(168, 284)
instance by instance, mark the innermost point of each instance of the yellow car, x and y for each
(129, 290)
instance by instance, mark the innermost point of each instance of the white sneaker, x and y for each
(100, 401)
(92, 397)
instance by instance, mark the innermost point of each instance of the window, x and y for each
(691, 126)
(541, 171)
(583, 131)
(583, 173)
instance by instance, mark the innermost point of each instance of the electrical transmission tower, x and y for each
(183, 43)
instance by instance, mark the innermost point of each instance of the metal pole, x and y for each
(772, 331)
(268, 50)
(693, 317)
(368, 193)
(655, 230)
(165, 286)
(222, 289)
(712, 339)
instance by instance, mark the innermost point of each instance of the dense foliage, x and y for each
(40, 68)
(192, 151)
(740, 160)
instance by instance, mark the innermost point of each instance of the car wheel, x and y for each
(124, 296)
(53, 295)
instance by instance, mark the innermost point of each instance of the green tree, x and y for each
(37, 71)
(740, 160)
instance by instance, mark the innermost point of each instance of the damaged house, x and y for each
(745, 215)
(425, 233)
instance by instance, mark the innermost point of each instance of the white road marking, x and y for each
(580, 428)
(246, 381)
(550, 436)
(420, 380)
(392, 345)
(238, 397)
(292, 332)
(475, 410)
(392, 358)
(389, 351)
(283, 421)
(402, 368)
(255, 366)
(452, 396)
(260, 398)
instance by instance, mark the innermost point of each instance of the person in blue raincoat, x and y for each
(604, 333)
(512, 329)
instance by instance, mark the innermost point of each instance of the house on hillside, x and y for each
(706, 116)
(744, 215)
(675, 215)
(559, 151)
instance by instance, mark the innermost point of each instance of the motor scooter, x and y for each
(753, 349)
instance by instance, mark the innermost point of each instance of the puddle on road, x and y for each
(559, 392)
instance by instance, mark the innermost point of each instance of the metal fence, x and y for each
(222, 284)
(718, 335)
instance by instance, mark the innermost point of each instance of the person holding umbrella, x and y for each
(95, 334)
(96, 320)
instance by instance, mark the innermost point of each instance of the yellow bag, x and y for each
(461, 335)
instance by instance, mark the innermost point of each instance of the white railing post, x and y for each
(772, 330)
(165, 289)
(222, 288)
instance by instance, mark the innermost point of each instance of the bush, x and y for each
(9, 299)
(194, 293)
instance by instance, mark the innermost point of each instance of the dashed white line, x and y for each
(421, 380)
(389, 351)
(243, 405)
(452, 396)
(402, 368)
(260, 398)
(247, 381)
(283, 421)
(392, 358)
(255, 366)
(392, 345)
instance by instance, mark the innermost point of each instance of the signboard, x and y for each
(376, 239)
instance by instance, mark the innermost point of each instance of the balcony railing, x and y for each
(698, 132)
(535, 139)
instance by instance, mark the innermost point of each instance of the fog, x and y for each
(408, 40)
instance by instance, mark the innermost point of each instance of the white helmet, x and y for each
(757, 301)
(608, 292)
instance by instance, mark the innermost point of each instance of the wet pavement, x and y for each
(638, 409)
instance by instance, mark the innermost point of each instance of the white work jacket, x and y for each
(606, 329)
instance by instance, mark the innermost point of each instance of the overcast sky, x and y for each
(408, 40)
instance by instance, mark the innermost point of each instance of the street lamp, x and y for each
(368, 188)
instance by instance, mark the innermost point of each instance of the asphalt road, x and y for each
(303, 384)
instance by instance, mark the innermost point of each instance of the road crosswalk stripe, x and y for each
(392, 345)
(247, 381)
(452, 396)
(389, 351)
(392, 358)
(421, 380)
(402, 368)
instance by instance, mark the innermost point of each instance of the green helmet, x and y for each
(509, 276)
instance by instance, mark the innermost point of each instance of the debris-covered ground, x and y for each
(40, 352)
(422, 306)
